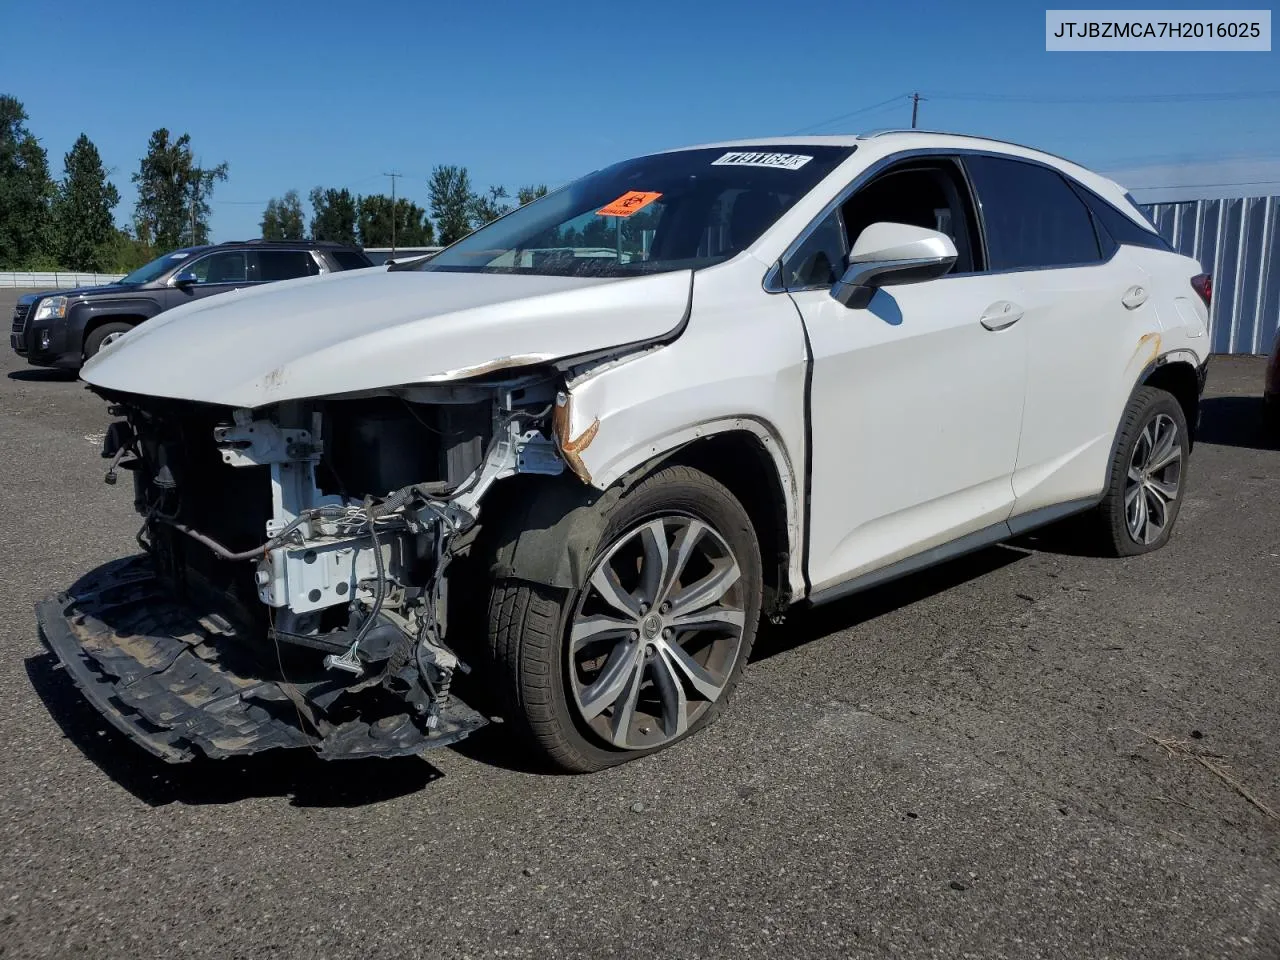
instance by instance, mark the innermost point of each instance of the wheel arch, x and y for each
(544, 529)
(1178, 373)
(97, 320)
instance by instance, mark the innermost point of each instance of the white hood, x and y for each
(367, 329)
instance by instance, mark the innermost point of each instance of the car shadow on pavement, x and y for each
(299, 775)
(804, 624)
(44, 375)
(1234, 422)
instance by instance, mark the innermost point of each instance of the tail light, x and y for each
(1202, 283)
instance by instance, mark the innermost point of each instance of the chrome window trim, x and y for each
(772, 278)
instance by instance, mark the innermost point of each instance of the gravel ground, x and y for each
(963, 764)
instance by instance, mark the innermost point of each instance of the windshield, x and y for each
(155, 268)
(670, 211)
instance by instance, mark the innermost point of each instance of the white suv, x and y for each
(785, 371)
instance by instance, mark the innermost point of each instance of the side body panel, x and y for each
(739, 365)
(915, 414)
(1092, 331)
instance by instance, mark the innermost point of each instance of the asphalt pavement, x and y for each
(1024, 753)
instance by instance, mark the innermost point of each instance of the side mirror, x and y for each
(185, 279)
(888, 253)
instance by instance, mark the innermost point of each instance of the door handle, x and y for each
(1134, 297)
(1000, 314)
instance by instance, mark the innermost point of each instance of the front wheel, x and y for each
(649, 649)
(106, 334)
(1146, 482)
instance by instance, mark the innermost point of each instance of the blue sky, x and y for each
(294, 95)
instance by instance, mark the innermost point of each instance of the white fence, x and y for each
(56, 280)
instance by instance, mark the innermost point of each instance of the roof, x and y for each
(890, 141)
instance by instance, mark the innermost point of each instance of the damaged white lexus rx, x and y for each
(559, 473)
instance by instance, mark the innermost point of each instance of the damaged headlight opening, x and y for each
(324, 529)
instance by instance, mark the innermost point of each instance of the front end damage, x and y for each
(293, 589)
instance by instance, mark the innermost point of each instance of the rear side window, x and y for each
(1121, 228)
(350, 260)
(283, 264)
(1032, 218)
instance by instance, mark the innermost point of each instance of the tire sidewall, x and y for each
(1147, 404)
(664, 493)
(93, 343)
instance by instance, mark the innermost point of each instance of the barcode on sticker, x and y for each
(779, 161)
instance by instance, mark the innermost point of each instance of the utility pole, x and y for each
(915, 108)
(393, 209)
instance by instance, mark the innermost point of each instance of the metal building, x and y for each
(1237, 240)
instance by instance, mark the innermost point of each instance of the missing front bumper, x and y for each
(179, 685)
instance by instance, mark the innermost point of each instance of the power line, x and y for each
(1113, 98)
(853, 113)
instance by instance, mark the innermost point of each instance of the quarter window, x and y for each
(1032, 218)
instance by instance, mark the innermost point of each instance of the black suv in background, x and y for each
(64, 328)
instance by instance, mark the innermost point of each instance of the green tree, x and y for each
(487, 207)
(333, 215)
(84, 227)
(530, 193)
(173, 193)
(26, 191)
(374, 220)
(123, 252)
(283, 220)
(451, 202)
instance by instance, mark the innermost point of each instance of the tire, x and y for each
(1149, 410)
(93, 342)
(530, 627)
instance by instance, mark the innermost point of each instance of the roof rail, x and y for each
(259, 242)
(872, 134)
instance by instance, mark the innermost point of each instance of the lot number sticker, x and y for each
(630, 202)
(776, 161)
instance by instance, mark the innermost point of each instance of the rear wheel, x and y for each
(1144, 493)
(103, 335)
(650, 648)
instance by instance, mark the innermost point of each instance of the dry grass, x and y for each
(1189, 750)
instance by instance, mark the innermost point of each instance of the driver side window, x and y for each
(227, 267)
(927, 194)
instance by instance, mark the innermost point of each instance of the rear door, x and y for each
(1085, 310)
(916, 400)
(267, 266)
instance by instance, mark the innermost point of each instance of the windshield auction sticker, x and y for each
(778, 161)
(630, 202)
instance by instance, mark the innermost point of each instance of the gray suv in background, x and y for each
(64, 328)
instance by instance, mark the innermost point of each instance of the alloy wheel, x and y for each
(1153, 479)
(656, 632)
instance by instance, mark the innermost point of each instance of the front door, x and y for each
(916, 399)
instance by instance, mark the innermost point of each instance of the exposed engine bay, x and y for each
(311, 540)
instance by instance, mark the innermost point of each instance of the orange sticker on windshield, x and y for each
(627, 204)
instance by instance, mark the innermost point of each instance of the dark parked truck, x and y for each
(64, 328)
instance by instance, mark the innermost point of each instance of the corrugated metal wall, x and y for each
(1238, 241)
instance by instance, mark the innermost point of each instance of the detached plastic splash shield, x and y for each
(179, 685)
